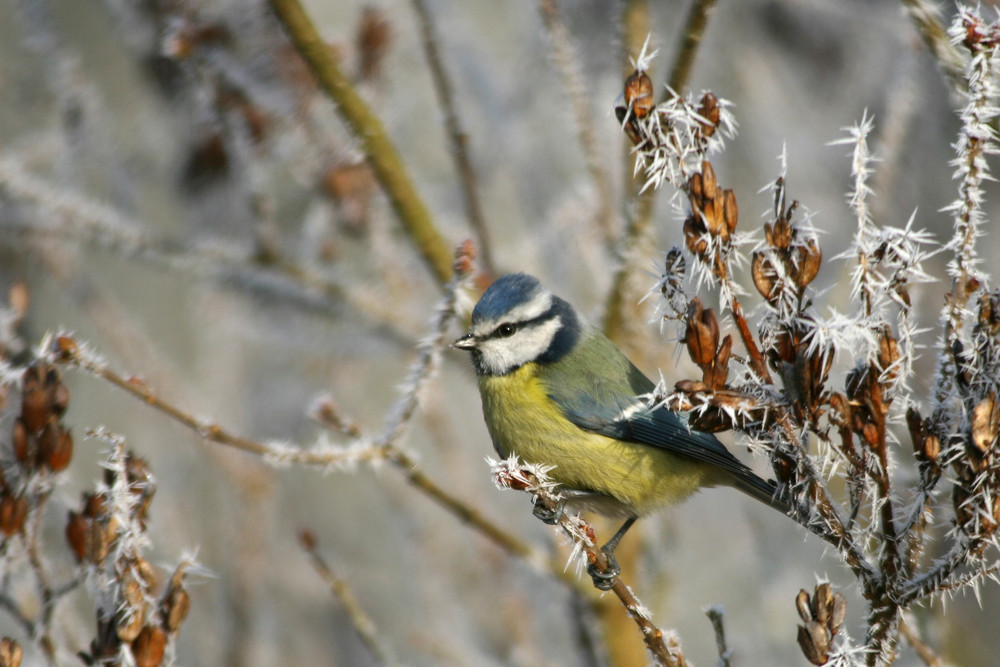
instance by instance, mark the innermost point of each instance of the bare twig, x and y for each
(928, 23)
(457, 136)
(926, 653)
(363, 624)
(511, 473)
(715, 615)
(566, 64)
(694, 28)
(368, 129)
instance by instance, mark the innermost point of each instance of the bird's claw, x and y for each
(548, 515)
(605, 579)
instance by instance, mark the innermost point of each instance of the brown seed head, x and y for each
(815, 643)
(13, 514)
(374, 38)
(702, 333)
(76, 535)
(148, 648)
(731, 211)
(10, 653)
(765, 278)
(639, 94)
(709, 110)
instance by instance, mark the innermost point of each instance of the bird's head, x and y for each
(517, 321)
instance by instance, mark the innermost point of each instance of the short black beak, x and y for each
(466, 342)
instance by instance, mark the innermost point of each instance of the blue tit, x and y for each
(557, 391)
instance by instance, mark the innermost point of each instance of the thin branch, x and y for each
(511, 473)
(362, 623)
(715, 614)
(367, 128)
(694, 29)
(928, 23)
(926, 653)
(456, 135)
(566, 64)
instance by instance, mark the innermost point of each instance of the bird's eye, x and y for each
(506, 330)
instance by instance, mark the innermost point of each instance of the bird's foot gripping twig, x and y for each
(549, 514)
(605, 578)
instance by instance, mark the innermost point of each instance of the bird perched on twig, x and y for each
(557, 391)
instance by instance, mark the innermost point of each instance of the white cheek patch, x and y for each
(502, 355)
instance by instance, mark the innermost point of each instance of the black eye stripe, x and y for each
(524, 324)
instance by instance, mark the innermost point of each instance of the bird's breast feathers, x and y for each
(523, 419)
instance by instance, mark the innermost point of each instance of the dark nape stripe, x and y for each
(569, 333)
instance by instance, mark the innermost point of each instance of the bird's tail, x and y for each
(763, 490)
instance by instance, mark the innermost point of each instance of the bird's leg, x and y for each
(605, 579)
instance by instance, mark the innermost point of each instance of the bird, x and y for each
(556, 391)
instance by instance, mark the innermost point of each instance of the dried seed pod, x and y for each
(765, 278)
(808, 259)
(814, 642)
(838, 613)
(696, 190)
(59, 457)
(702, 333)
(985, 424)
(821, 602)
(709, 184)
(98, 538)
(129, 624)
(690, 386)
(932, 448)
(48, 439)
(870, 433)
(731, 211)
(59, 398)
(709, 110)
(35, 410)
(176, 602)
(13, 514)
(989, 312)
(21, 441)
(149, 647)
(94, 505)
(10, 653)
(639, 94)
(374, 38)
(694, 235)
(76, 535)
(803, 606)
(66, 347)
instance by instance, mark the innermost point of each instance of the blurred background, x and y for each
(176, 191)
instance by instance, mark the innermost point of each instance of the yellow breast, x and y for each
(523, 420)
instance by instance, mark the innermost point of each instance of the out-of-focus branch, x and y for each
(928, 23)
(456, 135)
(566, 64)
(694, 28)
(715, 615)
(362, 622)
(375, 142)
(926, 653)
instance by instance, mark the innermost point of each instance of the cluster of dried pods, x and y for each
(822, 616)
(41, 442)
(143, 620)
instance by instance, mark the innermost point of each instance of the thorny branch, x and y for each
(811, 431)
